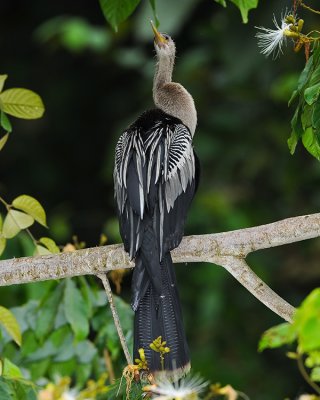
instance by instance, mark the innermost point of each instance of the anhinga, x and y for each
(155, 177)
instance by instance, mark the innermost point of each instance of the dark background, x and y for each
(94, 83)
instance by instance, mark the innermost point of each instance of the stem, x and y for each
(115, 316)
(305, 374)
(162, 361)
(4, 202)
(31, 236)
(302, 4)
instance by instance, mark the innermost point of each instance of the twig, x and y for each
(109, 365)
(302, 4)
(116, 319)
(305, 374)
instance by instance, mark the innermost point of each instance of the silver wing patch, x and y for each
(179, 168)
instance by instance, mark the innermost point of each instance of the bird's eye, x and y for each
(167, 37)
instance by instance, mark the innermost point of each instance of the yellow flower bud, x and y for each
(300, 25)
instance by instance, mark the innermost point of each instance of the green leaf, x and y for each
(50, 245)
(2, 81)
(307, 322)
(22, 103)
(116, 11)
(313, 359)
(311, 94)
(10, 370)
(3, 141)
(245, 6)
(316, 117)
(2, 244)
(5, 122)
(30, 343)
(87, 295)
(47, 312)
(154, 10)
(41, 251)
(32, 207)
(306, 116)
(76, 310)
(221, 2)
(294, 94)
(305, 74)
(9, 322)
(17, 389)
(311, 143)
(297, 130)
(315, 374)
(85, 351)
(2, 239)
(14, 222)
(277, 336)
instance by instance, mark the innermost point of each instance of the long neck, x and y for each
(172, 97)
(163, 73)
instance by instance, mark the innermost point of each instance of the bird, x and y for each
(156, 175)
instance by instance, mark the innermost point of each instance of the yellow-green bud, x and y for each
(300, 25)
(290, 19)
(291, 34)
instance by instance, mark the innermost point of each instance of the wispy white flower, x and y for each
(69, 395)
(271, 40)
(187, 388)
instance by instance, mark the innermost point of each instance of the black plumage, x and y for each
(156, 176)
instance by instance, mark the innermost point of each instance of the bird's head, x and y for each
(163, 43)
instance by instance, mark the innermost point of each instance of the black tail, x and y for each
(159, 314)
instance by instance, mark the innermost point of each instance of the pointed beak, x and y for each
(158, 38)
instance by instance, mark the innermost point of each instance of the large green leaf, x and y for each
(9, 322)
(245, 6)
(76, 310)
(32, 207)
(22, 103)
(307, 322)
(311, 93)
(11, 370)
(47, 312)
(16, 389)
(14, 222)
(116, 11)
(2, 81)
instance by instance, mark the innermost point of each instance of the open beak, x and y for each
(158, 38)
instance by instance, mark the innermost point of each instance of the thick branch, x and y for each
(227, 249)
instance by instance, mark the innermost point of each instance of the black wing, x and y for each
(155, 181)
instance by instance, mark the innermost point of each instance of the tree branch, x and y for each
(228, 249)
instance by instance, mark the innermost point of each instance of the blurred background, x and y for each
(94, 83)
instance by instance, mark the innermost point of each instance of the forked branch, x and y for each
(227, 249)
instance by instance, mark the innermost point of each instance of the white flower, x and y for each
(69, 395)
(187, 388)
(271, 40)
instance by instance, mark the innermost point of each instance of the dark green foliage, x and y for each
(306, 120)
(55, 329)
